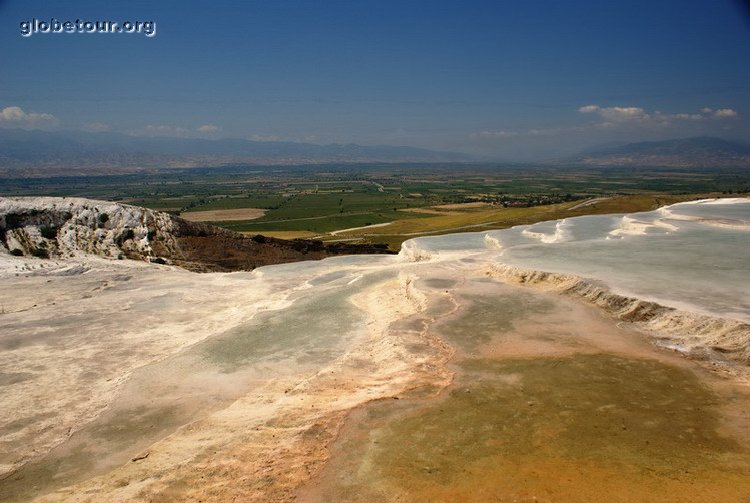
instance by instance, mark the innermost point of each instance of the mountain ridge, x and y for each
(693, 152)
(40, 153)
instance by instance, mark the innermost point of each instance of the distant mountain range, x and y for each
(37, 153)
(698, 152)
(43, 153)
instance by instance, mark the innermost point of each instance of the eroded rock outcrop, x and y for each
(51, 227)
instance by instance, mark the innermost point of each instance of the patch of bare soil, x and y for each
(224, 215)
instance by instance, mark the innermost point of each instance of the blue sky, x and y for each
(505, 79)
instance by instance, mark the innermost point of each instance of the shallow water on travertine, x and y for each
(159, 398)
(690, 255)
(545, 408)
(582, 428)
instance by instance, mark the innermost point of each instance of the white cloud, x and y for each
(687, 117)
(162, 130)
(616, 119)
(177, 131)
(616, 114)
(613, 117)
(497, 134)
(623, 114)
(96, 127)
(15, 117)
(725, 112)
(208, 129)
(589, 109)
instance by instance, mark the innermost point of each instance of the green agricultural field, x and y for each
(230, 202)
